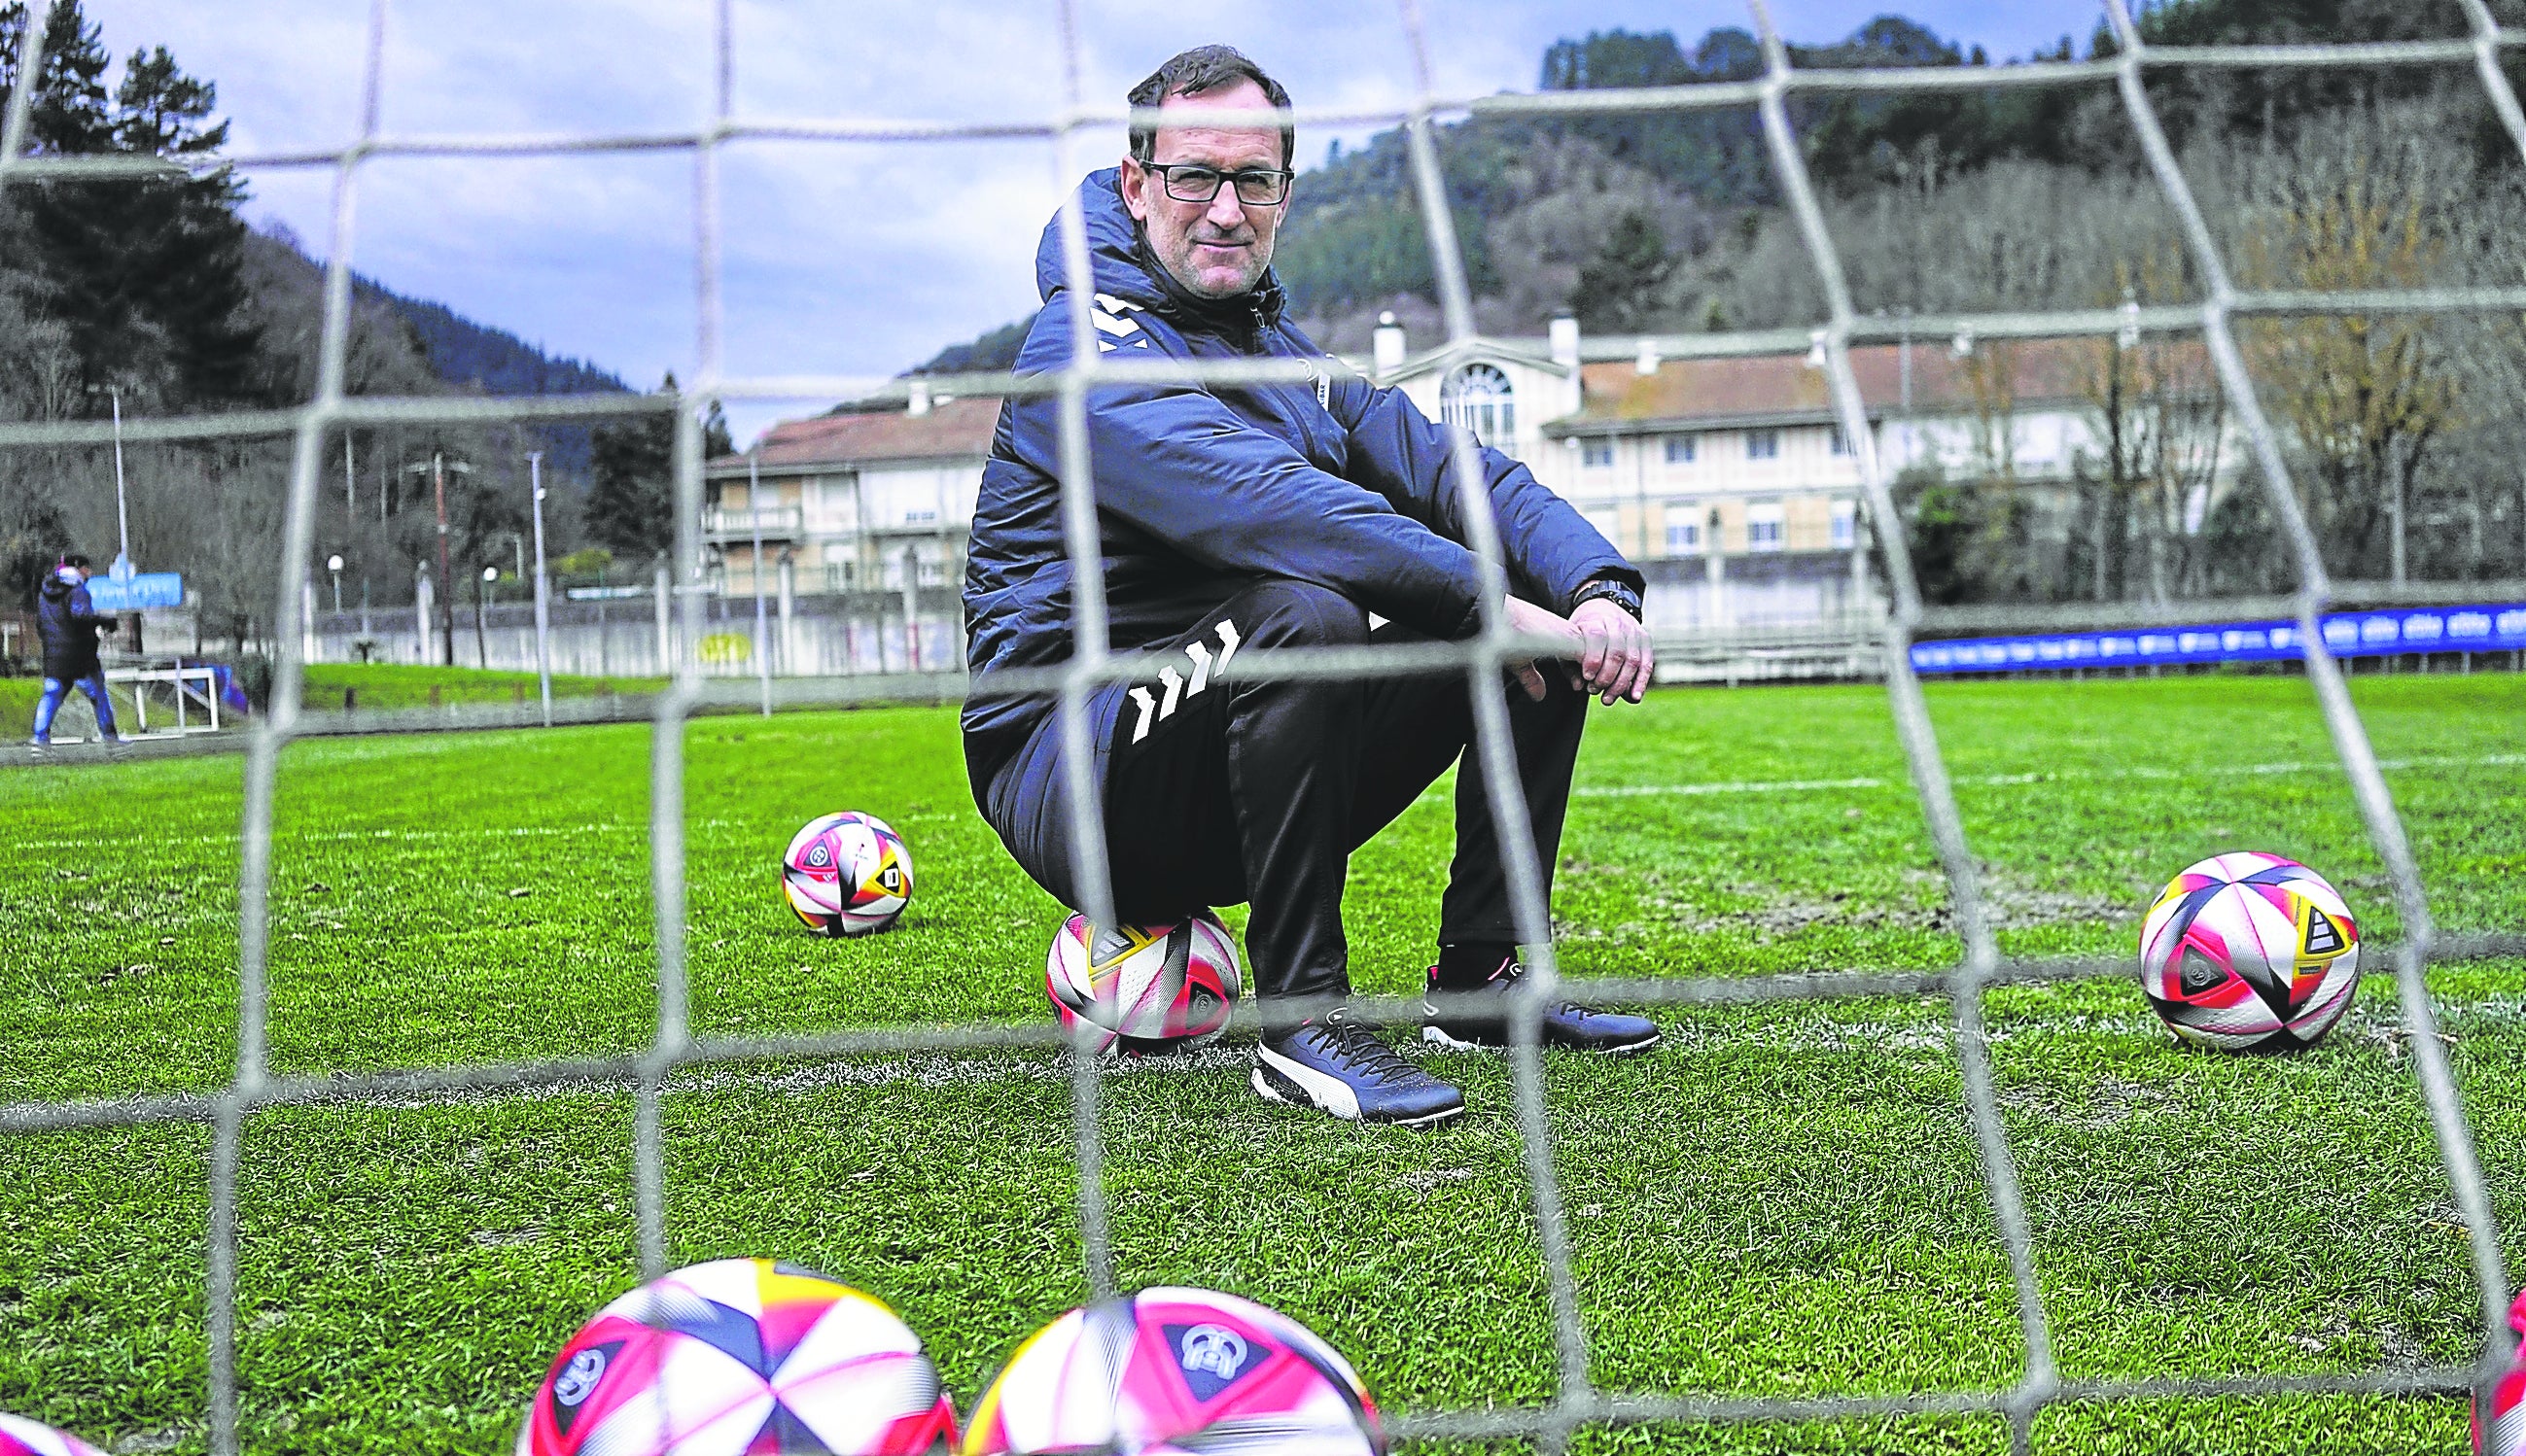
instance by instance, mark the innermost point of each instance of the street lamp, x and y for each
(482, 629)
(544, 602)
(121, 512)
(333, 563)
(754, 513)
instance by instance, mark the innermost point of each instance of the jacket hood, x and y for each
(55, 587)
(1121, 264)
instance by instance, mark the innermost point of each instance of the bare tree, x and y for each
(2371, 202)
(2157, 411)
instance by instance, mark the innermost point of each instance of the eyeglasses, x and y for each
(1259, 187)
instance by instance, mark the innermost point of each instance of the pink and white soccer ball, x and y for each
(1144, 988)
(847, 875)
(740, 1356)
(2249, 952)
(19, 1437)
(2504, 1431)
(1169, 1371)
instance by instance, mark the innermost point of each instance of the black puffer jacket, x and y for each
(69, 623)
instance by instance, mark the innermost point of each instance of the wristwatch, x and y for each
(1609, 589)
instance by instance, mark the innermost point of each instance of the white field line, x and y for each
(1610, 791)
(371, 836)
(638, 828)
(1815, 1029)
(2004, 781)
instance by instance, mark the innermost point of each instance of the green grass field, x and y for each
(1783, 1200)
(383, 685)
(377, 687)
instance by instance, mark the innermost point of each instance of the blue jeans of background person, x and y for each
(55, 690)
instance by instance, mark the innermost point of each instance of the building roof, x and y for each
(1784, 389)
(1480, 347)
(957, 429)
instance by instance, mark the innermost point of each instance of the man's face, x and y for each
(1220, 248)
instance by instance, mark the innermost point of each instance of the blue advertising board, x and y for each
(137, 594)
(2485, 629)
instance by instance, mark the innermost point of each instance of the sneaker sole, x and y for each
(1272, 1086)
(1433, 1036)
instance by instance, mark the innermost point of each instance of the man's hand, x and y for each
(1605, 651)
(1528, 620)
(1617, 656)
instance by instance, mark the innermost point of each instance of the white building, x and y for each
(871, 502)
(1728, 481)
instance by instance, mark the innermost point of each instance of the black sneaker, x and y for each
(1338, 1066)
(1467, 1027)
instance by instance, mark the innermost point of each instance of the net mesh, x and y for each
(1576, 1400)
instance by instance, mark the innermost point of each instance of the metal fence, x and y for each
(1576, 1400)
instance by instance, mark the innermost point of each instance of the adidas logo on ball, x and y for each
(1213, 1348)
(578, 1380)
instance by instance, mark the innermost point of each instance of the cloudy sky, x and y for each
(841, 259)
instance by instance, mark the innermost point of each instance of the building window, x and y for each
(1682, 534)
(1596, 450)
(1762, 444)
(1841, 443)
(923, 517)
(1681, 449)
(1846, 524)
(1478, 398)
(1763, 527)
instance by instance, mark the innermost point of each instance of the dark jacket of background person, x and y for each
(1202, 491)
(68, 625)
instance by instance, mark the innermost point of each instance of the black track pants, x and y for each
(1221, 790)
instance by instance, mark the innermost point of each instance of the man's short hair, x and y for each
(1201, 69)
(73, 559)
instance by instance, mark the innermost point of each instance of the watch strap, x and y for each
(1620, 593)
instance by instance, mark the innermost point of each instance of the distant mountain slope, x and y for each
(996, 350)
(497, 361)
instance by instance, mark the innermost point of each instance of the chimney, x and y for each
(919, 404)
(1563, 336)
(1648, 361)
(1386, 352)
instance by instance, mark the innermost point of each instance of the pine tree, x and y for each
(147, 274)
(1622, 288)
(632, 499)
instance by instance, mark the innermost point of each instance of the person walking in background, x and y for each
(69, 625)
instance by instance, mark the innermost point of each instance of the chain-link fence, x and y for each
(1578, 1401)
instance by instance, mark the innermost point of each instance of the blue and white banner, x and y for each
(2493, 629)
(139, 593)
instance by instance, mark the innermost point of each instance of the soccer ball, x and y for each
(19, 1437)
(2503, 1433)
(847, 875)
(2249, 952)
(1175, 1369)
(1147, 988)
(740, 1355)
